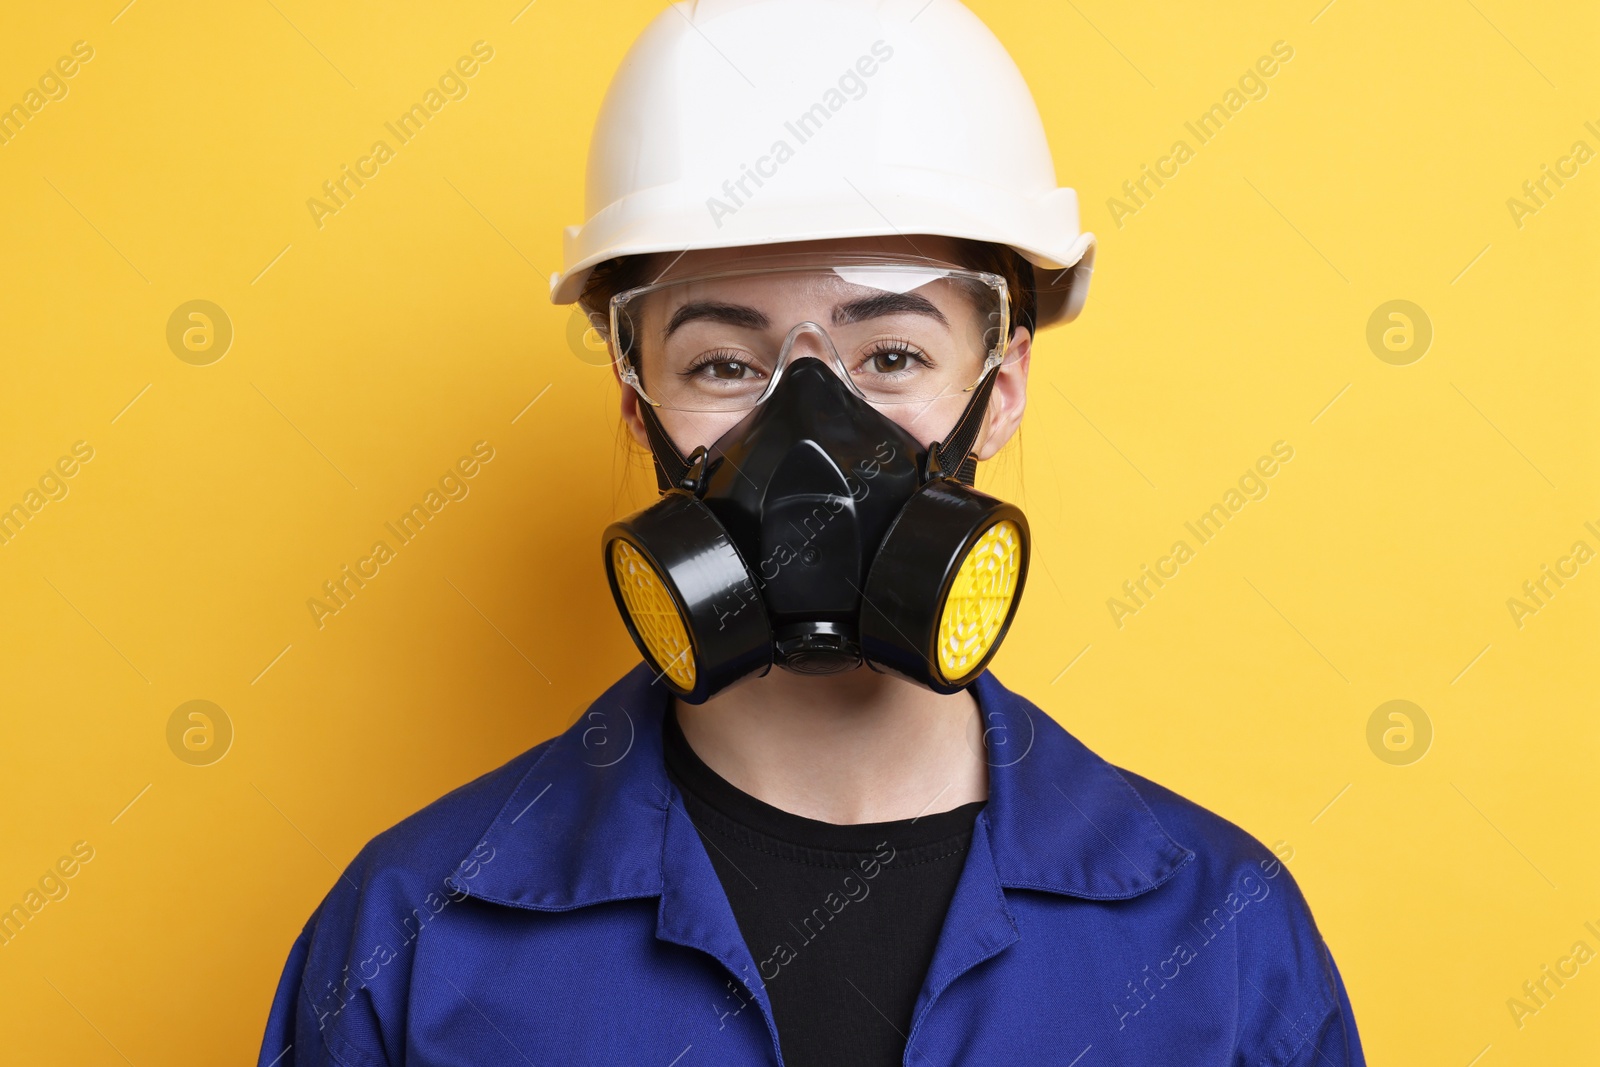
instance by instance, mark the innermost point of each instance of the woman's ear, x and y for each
(1008, 397)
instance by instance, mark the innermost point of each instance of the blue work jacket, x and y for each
(562, 910)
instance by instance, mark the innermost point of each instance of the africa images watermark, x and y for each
(1252, 85)
(806, 125)
(453, 485)
(52, 88)
(853, 888)
(1537, 993)
(52, 486)
(1252, 485)
(1538, 192)
(452, 85)
(1248, 889)
(52, 886)
(1538, 592)
(411, 927)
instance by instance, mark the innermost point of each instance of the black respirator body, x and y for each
(818, 534)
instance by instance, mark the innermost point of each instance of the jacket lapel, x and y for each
(977, 926)
(1058, 819)
(695, 913)
(596, 819)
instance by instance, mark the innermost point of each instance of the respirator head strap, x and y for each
(671, 467)
(954, 456)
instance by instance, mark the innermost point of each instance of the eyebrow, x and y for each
(732, 314)
(886, 304)
(843, 314)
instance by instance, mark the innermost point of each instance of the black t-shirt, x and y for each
(841, 920)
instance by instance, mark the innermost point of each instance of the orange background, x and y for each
(370, 353)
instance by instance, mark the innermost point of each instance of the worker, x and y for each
(811, 827)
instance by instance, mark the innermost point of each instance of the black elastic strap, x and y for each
(955, 451)
(671, 467)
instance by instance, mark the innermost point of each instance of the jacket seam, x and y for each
(548, 746)
(1084, 894)
(641, 894)
(1167, 842)
(1282, 1051)
(342, 1051)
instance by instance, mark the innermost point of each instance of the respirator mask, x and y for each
(813, 530)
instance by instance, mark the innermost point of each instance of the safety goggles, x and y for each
(895, 330)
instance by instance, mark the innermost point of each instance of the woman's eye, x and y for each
(892, 361)
(722, 370)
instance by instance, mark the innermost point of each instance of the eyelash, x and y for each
(880, 347)
(712, 359)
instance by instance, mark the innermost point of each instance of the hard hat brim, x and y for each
(1042, 229)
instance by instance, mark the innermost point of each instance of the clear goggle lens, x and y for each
(895, 332)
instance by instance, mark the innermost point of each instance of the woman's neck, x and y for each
(844, 748)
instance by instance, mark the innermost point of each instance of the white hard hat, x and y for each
(749, 122)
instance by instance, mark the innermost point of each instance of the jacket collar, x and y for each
(589, 820)
(1062, 819)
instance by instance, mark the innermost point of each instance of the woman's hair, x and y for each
(626, 272)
